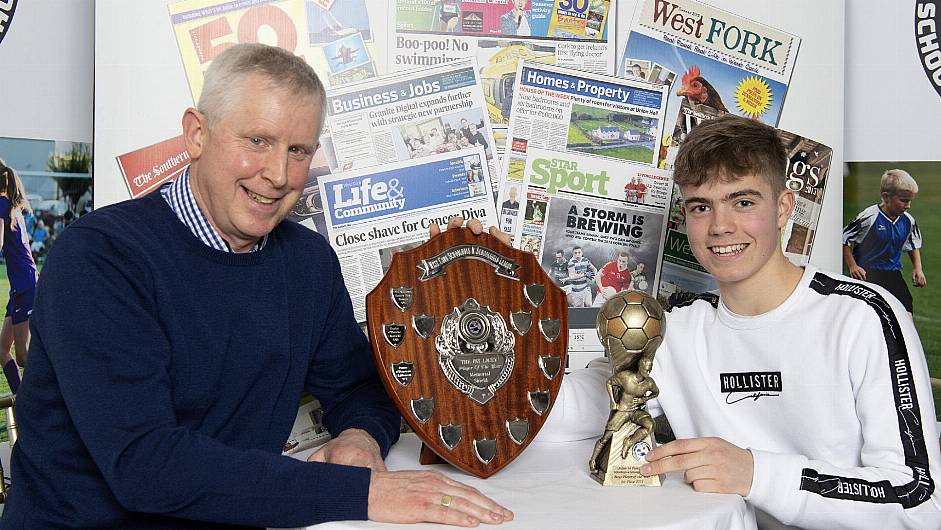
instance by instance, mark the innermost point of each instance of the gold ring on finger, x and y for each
(446, 500)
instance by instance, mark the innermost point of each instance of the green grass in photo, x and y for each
(576, 136)
(635, 153)
(861, 190)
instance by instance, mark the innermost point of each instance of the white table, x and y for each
(548, 487)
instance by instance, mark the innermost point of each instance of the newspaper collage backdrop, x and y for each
(411, 81)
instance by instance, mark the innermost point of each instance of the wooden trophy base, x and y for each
(427, 457)
(625, 471)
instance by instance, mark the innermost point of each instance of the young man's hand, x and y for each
(429, 496)
(918, 278)
(475, 226)
(712, 465)
(353, 447)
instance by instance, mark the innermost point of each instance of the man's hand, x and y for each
(918, 278)
(474, 225)
(429, 496)
(712, 465)
(353, 447)
(857, 272)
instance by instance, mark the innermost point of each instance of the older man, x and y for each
(174, 334)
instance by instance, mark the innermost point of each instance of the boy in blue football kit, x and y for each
(873, 242)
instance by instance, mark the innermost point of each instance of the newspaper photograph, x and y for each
(808, 168)
(499, 34)
(724, 63)
(596, 224)
(373, 213)
(570, 112)
(339, 38)
(408, 115)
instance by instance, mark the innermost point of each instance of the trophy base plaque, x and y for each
(625, 471)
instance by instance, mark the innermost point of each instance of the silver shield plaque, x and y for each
(539, 401)
(521, 321)
(475, 350)
(518, 429)
(486, 449)
(450, 435)
(423, 408)
(424, 325)
(402, 297)
(535, 293)
(394, 334)
(402, 372)
(550, 328)
(550, 365)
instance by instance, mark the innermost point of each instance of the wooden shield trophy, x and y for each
(470, 338)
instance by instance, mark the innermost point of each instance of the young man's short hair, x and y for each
(895, 181)
(728, 148)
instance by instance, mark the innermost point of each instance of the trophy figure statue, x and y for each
(630, 326)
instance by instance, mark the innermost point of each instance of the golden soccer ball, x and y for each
(629, 324)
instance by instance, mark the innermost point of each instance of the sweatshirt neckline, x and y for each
(736, 321)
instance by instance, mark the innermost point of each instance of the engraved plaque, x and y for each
(394, 334)
(402, 372)
(401, 297)
(472, 304)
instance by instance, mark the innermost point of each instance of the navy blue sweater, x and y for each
(164, 378)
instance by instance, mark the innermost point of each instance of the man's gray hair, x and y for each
(223, 79)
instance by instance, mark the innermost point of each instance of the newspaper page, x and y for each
(568, 111)
(807, 171)
(724, 63)
(499, 34)
(596, 224)
(148, 168)
(375, 212)
(341, 39)
(409, 115)
(808, 168)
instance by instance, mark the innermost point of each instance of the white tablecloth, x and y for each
(548, 487)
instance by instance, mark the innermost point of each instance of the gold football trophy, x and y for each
(630, 326)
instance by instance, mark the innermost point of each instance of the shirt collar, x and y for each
(179, 195)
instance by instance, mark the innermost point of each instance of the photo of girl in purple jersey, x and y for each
(21, 272)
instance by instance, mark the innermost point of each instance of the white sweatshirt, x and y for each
(829, 391)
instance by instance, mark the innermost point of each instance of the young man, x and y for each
(805, 392)
(162, 396)
(873, 242)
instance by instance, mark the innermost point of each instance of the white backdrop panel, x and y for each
(46, 60)
(892, 110)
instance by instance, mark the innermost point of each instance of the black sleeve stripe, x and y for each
(921, 487)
